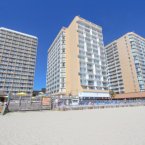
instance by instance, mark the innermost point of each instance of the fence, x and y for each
(83, 107)
(91, 104)
(35, 104)
(27, 104)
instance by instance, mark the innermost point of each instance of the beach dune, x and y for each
(116, 126)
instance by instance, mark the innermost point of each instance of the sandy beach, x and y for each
(117, 126)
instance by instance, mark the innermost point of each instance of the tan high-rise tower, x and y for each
(77, 61)
(126, 64)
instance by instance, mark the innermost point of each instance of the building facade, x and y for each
(126, 64)
(77, 62)
(56, 65)
(17, 61)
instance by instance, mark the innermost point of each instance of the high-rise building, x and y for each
(17, 61)
(77, 62)
(126, 63)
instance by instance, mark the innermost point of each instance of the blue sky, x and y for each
(44, 18)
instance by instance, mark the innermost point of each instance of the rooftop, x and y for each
(13, 31)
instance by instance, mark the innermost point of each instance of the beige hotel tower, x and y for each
(126, 63)
(76, 61)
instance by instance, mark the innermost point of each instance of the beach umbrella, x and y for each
(21, 94)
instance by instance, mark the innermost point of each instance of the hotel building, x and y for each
(76, 61)
(126, 63)
(17, 61)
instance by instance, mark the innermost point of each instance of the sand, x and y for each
(117, 126)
